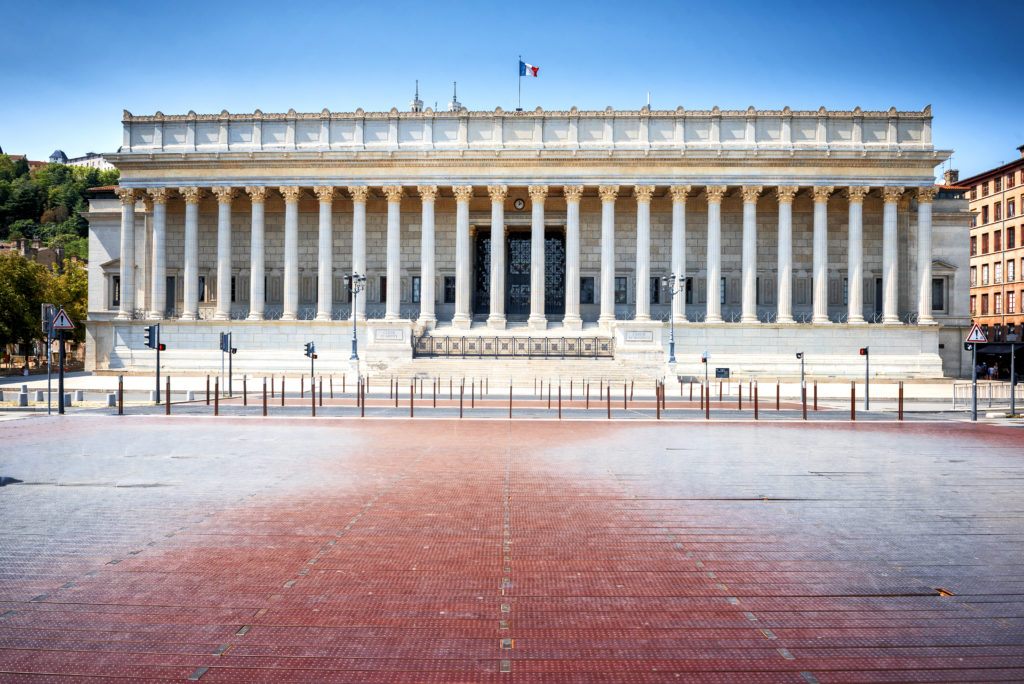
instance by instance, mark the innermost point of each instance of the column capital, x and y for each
(786, 193)
(821, 193)
(498, 193)
(572, 193)
(257, 193)
(158, 195)
(290, 192)
(751, 192)
(359, 192)
(679, 192)
(393, 192)
(224, 194)
(325, 193)
(463, 193)
(127, 195)
(643, 193)
(857, 192)
(926, 194)
(892, 193)
(715, 192)
(537, 192)
(191, 195)
(428, 193)
(608, 193)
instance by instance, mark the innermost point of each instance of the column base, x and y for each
(820, 320)
(188, 316)
(392, 316)
(255, 316)
(323, 316)
(123, 316)
(713, 318)
(749, 319)
(891, 320)
(680, 319)
(642, 317)
(289, 317)
(785, 320)
(858, 320)
(537, 323)
(572, 323)
(462, 322)
(926, 321)
(155, 315)
(427, 322)
(497, 322)
(221, 316)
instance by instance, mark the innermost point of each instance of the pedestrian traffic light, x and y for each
(151, 336)
(224, 342)
(863, 351)
(799, 355)
(161, 347)
(310, 350)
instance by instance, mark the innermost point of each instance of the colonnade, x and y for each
(609, 195)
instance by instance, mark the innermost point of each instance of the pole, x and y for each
(271, 386)
(245, 390)
(231, 358)
(719, 391)
(282, 390)
(60, 373)
(157, 326)
(120, 395)
(588, 395)
(362, 391)
(803, 397)
(519, 71)
(755, 400)
(559, 400)
(707, 404)
(609, 400)
(900, 413)
(739, 396)
(867, 366)
(216, 396)
(853, 400)
(412, 390)
(167, 401)
(207, 389)
(625, 406)
(330, 384)
(778, 396)
(657, 402)
(264, 397)
(49, 361)
(312, 396)
(815, 394)
(462, 386)
(321, 390)
(510, 398)
(1013, 380)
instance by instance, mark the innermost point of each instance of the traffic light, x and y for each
(162, 347)
(224, 342)
(799, 355)
(151, 336)
(703, 359)
(233, 350)
(863, 351)
(310, 350)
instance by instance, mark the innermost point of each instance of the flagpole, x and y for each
(519, 70)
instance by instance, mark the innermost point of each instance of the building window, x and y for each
(723, 289)
(984, 189)
(1009, 271)
(115, 291)
(997, 241)
(997, 184)
(416, 281)
(984, 274)
(997, 212)
(449, 289)
(997, 272)
(655, 290)
(1011, 236)
(1011, 210)
(974, 192)
(938, 294)
(620, 290)
(997, 303)
(846, 291)
(1011, 330)
(974, 276)
(984, 305)
(233, 284)
(689, 290)
(202, 288)
(974, 304)
(984, 214)
(1011, 302)
(383, 289)
(587, 290)
(984, 243)
(974, 245)
(1009, 179)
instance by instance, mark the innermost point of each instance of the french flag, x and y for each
(528, 69)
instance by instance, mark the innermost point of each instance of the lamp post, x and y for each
(672, 282)
(355, 284)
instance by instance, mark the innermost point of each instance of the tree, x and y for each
(69, 287)
(22, 286)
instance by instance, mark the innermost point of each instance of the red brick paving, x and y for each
(511, 552)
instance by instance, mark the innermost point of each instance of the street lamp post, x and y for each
(355, 284)
(672, 283)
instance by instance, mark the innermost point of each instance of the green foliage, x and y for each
(48, 202)
(26, 285)
(73, 245)
(69, 288)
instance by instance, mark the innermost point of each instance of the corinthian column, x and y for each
(325, 254)
(750, 195)
(158, 286)
(462, 318)
(924, 255)
(820, 263)
(257, 293)
(714, 260)
(643, 195)
(679, 193)
(784, 311)
(128, 197)
(855, 256)
(428, 193)
(496, 318)
(224, 196)
(291, 251)
(608, 194)
(190, 310)
(537, 319)
(572, 319)
(891, 195)
(394, 253)
(359, 194)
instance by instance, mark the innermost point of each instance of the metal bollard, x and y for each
(167, 397)
(364, 383)
(282, 390)
(707, 402)
(657, 403)
(815, 395)
(803, 398)
(120, 395)
(264, 397)
(778, 395)
(853, 400)
(899, 415)
(588, 395)
(436, 382)
(462, 386)
(739, 396)
(609, 400)
(321, 390)
(631, 390)
(570, 389)
(719, 391)
(691, 390)
(207, 389)
(412, 390)
(312, 396)
(510, 398)
(302, 386)
(271, 386)
(245, 390)
(330, 384)
(216, 396)
(472, 393)
(624, 397)
(559, 400)
(755, 400)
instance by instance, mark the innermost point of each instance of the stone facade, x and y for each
(779, 210)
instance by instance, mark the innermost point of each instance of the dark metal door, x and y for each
(554, 274)
(482, 286)
(518, 276)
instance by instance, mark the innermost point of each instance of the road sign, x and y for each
(976, 335)
(48, 311)
(722, 373)
(62, 322)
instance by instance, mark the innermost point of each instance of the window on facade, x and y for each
(984, 274)
(1009, 271)
(984, 329)
(938, 294)
(1011, 302)
(997, 184)
(723, 290)
(1011, 209)
(416, 281)
(587, 290)
(974, 276)
(846, 291)
(997, 241)
(974, 244)
(202, 288)
(1011, 237)
(984, 214)
(383, 289)
(997, 303)
(997, 212)
(689, 290)
(974, 304)
(984, 305)
(233, 284)
(984, 243)
(1009, 179)
(998, 335)
(655, 290)
(997, 272)
(115, 291)
(449, 289)
(984, 189)
(974, 192)
(620, 290)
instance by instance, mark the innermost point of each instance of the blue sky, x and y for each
(71, 67)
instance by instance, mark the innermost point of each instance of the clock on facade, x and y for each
(519, 204)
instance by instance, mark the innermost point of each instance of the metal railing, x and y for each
(427, 346)
(991, 394)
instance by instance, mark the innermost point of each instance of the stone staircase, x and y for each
(524, 372)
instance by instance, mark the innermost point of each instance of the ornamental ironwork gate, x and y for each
(478, 346)
(517, 274)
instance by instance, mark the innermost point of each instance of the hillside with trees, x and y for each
(48, 203)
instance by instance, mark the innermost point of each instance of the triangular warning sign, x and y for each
(976, 335)
(62, 322)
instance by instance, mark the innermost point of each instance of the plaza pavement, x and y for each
(397, 550)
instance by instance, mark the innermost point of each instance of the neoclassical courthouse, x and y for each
(532, 233)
